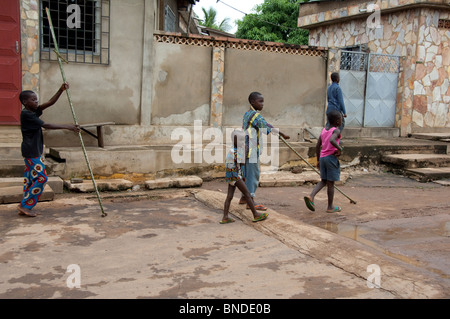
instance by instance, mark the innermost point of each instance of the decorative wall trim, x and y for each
(240, 44)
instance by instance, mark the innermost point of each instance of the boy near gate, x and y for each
(33, 146)
(335, 99)
(252, 124)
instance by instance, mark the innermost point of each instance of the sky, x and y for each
(224, 10)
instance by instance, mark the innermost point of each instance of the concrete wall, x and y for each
(158, 81)
(210, 79)
(181, 84)
(200, 78)
(102, 93)
(293, 86)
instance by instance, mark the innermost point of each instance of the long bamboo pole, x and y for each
(60, 58)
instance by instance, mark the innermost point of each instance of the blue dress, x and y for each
(233, 161)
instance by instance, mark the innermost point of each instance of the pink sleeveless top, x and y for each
(327, 148)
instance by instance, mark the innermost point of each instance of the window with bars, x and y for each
(444, 24)
(353, 61)
(169, 20)
(81, 30)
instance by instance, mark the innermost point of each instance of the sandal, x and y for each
(259, 207)
(335, 210)
(25, 212)
(261, 217)
(227, 221)
(309, 203)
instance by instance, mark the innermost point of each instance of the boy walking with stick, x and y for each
(252, 124)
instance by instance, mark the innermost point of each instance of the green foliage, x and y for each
(274, 20)
(209, 20)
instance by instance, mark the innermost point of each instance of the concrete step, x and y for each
(10, 150)
(130, 159)
(442, 136)
(12, 167)
(429, 174)
(417, 160)
(14, 194)
(443, 182)
(56, 183)
(10, 134)
(370, 132)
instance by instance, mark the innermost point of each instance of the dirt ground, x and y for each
(156, 245)
(399, 216)
(166, 244)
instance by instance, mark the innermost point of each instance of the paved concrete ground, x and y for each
(395, 215)
(162, 245)
(169, 244)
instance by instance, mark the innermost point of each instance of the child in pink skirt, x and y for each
(327, 151)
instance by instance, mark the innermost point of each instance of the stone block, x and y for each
(417, 160)
(168, 182)
(288, 179)
(55, 182)
(14, 194)
(159, 183)
(87, 186)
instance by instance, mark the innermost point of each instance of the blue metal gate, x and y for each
(369, 84)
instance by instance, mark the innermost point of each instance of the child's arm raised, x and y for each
(55, 97)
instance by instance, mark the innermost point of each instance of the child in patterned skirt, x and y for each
(234, 161)
(33, 146)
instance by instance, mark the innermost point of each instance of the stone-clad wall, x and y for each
(423, 88)
(431, 86)
(29, 26)
(351, 9)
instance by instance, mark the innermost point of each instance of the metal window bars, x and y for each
(444, 24)
(384, 63)
(89, 43)
(353, 61)
(374, 62)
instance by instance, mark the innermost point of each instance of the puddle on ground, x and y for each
(360, 234)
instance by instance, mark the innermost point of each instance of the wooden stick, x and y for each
(309, 164)
(73, 111)
(314, 169)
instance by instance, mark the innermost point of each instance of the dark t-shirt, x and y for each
(31, 127)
